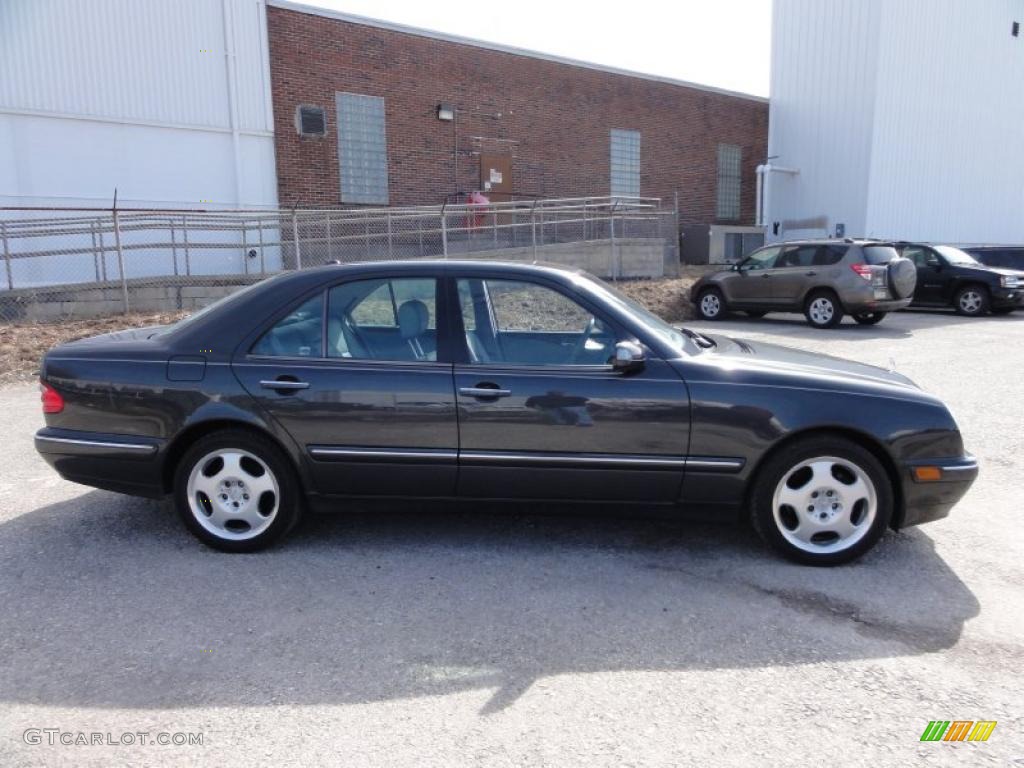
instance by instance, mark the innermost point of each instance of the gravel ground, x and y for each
(450, 637)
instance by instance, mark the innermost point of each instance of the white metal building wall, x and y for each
(903, 117)
(167, 101)
(821, 113)
(948, 159)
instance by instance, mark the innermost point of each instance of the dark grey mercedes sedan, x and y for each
(491, 381)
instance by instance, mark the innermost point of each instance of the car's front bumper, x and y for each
(1007, 298)
(121, 463)
(927, 500)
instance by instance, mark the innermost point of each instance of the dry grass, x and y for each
(22, 345)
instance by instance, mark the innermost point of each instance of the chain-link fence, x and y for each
(89, 262)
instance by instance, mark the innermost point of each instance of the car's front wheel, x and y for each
(824, 500)
(823, 310)
(971, 300)
(870, 318)
(711, 304)
(236, 491)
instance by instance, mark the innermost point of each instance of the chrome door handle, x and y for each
(484, 392)
(290, 385)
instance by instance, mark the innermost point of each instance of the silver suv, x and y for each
(824, 279)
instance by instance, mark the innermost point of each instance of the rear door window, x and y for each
(798, 256)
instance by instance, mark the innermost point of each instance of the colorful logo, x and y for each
(958, 730)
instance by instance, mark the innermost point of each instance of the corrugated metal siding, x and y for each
(136, 60)
(904, 118)
(948, 160)
(822, 108)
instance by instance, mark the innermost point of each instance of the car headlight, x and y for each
(1009, 281)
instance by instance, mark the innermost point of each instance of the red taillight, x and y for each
(863, 270)
(52, 400)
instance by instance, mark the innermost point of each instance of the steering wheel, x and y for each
(581, 346)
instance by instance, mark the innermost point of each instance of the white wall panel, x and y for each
(904, 118)
(135, 94)
(948, 160)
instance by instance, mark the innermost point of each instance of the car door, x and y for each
(353, 374)
(794, 274)
(750, 284)
(542, 415)
(933, 275)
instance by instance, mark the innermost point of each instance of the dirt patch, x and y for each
(22, 345)
(668, 299)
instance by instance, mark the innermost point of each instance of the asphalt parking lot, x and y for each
(436, 637)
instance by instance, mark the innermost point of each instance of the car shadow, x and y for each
(109, 603)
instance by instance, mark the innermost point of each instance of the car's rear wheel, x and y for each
(755, 315)
(711, 304)
(825, 500)
(236, 491)
(823, 310)
(971, 300)
(870, 318)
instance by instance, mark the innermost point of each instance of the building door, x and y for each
(496, 176)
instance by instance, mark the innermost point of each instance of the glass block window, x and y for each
(625, 163)
(729, 162)
(362, 149)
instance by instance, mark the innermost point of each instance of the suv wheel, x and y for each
(823, 310)
(870, 318)
(236, 491)
(711, 304)
(822, 501)
(971, 300)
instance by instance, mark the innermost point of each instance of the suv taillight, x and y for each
(863, 270)
(52, 400)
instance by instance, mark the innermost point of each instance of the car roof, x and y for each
(448, 265)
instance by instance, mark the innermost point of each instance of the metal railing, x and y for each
(49, 251)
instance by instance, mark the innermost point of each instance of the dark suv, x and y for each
(823, 279)
(951, 277)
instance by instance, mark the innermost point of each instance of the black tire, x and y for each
(1001, 310)
(773, 473)
(972, 300)
(255, 449)
(823, 309)
(711, 304)
(870, 318)
(756, 315)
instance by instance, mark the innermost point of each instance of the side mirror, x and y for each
(629, 356)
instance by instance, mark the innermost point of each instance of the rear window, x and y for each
(879, 254)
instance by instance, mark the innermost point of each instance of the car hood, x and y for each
(983, 270)
(778, 359)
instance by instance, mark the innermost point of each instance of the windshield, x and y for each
(956, 256)
(663, 330)
(188, 320)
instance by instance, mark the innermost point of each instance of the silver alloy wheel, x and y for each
(971, 301)
(821, 310)
(233, 494)
(825, 505)
(710, 305)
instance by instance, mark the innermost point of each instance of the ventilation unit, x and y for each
(311, 121)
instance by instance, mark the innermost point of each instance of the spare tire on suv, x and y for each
(902, 278)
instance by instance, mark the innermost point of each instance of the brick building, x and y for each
(424, 115)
